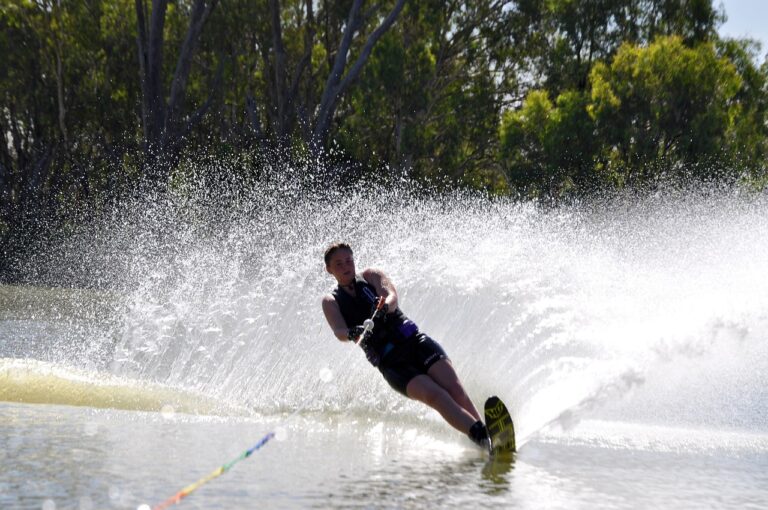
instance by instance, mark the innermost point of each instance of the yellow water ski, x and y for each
(500, 427)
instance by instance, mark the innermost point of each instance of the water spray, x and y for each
(368, 326)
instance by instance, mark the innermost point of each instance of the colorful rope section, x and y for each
(186, 491)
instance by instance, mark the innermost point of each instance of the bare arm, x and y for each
(384, 286)
(335, 319)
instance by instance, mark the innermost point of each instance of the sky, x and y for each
(746, 18)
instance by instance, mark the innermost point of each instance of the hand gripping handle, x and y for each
(368, 323)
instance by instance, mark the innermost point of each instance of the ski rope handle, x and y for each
(368, 323)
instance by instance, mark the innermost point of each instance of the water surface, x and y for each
(627, 337)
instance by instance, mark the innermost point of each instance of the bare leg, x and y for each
(424, 389)
(443, 374)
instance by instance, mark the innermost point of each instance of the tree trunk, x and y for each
(279, 69)
(141, 38)
(150, 64)
(285, 96)
(335, 86)
(253, 119)
(162, 122)
(200, 14)
(60, 92)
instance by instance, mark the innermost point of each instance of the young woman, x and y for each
(410, 361)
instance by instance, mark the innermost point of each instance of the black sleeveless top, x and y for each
(356, 309)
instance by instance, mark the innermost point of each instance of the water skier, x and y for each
(410, 361)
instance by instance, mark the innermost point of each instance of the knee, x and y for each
(444, 374)
(431, 398)
(425, 393)
(454, 388)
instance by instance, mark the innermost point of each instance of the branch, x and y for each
(335, 87)
(141, 40)
(253, 117)
(306, 58)
(372, 40)
(198, 115)
(279, 65)
(200, 14)
(341, 57)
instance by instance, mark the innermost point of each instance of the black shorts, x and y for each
(411, 358)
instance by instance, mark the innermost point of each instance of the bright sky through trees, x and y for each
(747, 18)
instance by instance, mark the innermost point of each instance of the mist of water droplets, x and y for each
(560, 311)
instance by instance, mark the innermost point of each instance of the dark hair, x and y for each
(333, 249)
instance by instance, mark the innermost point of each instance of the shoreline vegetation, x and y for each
(545, 101)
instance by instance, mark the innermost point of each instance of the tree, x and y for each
(548, 147)
(432, 93)
(66, 103)
(315, 113)
(664, 108)
(165, 121)
(565, 38)
(340, 78)
(748, 133)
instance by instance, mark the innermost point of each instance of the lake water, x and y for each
(628, 339)
(87, 458)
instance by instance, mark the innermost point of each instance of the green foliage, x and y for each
(547, 146)
(48, 101)
(659, 111)
(543, 98)
(665, 108)
(429, 99)
(564, 38)
(747, 135)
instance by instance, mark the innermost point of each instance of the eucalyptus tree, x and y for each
(668, 109)
(66, 107)
(565, 37)
(304, 85)
(165, 120)
(652, 113)
(429, 101)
